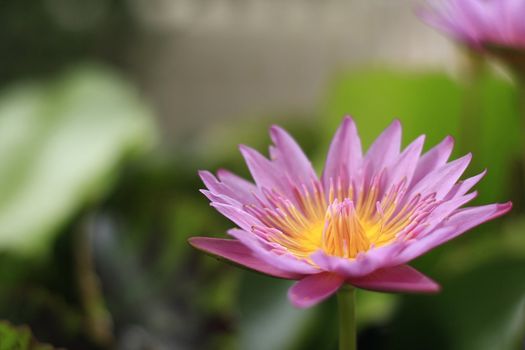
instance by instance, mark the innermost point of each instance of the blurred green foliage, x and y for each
(18, 338)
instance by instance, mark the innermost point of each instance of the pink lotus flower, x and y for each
(360, 223)
(478, 23)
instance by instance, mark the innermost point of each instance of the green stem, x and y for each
(471, 112)
(347, 322)
(520, 82)
(98, 320)
(521, 109)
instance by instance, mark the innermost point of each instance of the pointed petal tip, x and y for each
(205, 174)
(274, 131)
(500, 209)
(504, 208)
(429, 287)
(449, 139)
(436, 289)
(274, 128)
(448, 142)
(243, 148)
(249, 154)
(279, 135)
(221, 172)
(395, 125)
(198, 242)
(419, 142)
(346, 124)
(463, 161)
(247, 150)
(348, 119)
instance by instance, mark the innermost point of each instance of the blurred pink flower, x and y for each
(360, 223)
(478, 23)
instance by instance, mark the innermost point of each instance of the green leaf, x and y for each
(426, 103)
(60, 144)
(19, 338)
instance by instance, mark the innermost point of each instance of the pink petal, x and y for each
(263, 170)
(221, 199)
(458, 223)
(290, 158)
(272, 254)
(470, 16)
(219, 192)
(364, 264)
(464, 186)
(441, 180)
(243, 188)
(402, 278)
(237, 215)
(445, 209)
(516, 10)
(384, 151)
(314, 289)
(345, 154)
(476, 22)
(236, 252)
(433, 159)
(405, 165)
(216, 187)
(512, 22)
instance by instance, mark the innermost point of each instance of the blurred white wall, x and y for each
(206, 61)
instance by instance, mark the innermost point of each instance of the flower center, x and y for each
(343, 222)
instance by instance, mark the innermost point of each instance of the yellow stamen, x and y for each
(343, 223)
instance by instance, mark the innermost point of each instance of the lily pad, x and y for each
(60, 146)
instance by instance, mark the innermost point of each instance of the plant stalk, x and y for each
(97, 318)
(471, 110)
(347, 320)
